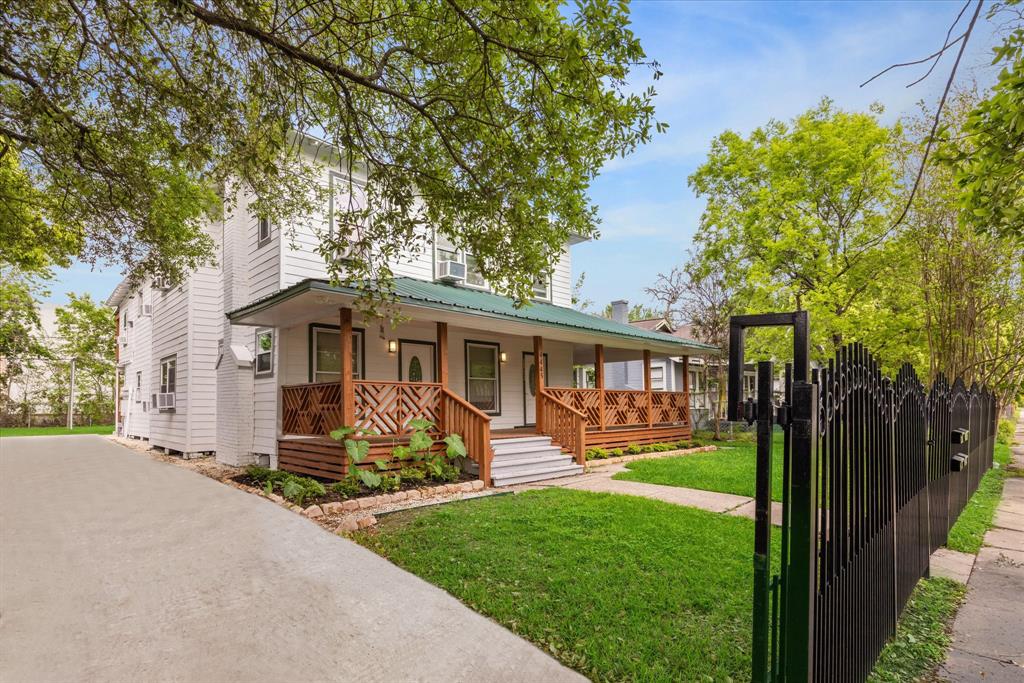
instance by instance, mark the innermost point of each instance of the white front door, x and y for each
(415, 361)
(530, 388)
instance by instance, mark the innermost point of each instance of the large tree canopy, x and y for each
(486, 119)
(798, 216)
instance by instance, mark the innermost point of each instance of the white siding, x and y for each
(205, 315)
(561, 281)
(168, 429)
(135, 412)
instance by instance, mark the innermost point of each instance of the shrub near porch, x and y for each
(617, 587)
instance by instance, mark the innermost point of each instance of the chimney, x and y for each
(620, 311)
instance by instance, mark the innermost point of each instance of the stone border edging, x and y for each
(598, 462)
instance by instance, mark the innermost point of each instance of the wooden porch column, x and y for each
(599, 381)
(538, 380)
(647, 387)
(348, 390)
(687, 401)
(442, 354)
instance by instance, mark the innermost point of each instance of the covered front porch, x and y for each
(465, 361)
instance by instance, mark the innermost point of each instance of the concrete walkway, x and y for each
(988, 634)
(116, 567)
(599, 479)
(944, 562)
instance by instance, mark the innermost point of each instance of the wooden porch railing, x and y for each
(461, 417)
(387, 408)
(384, 407)
(604, 408)
(565, 425)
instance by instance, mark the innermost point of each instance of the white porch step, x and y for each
(531, 452)
(539, 474)
(518, 443)
(522, 459)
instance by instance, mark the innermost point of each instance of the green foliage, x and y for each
(988, 158)
(507, 111)
(300, 489)
(370, 480)
(798, 217)
(1005, 432)
(86, 331)
(21, 344)
(28, 241)
(638, 449)
(412, 475)
(922, 634)
(349, 487)
(56, 431)
(456, 448)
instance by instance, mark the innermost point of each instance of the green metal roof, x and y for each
(443, 296)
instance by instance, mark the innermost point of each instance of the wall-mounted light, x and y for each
(392, 346)
(504, 357)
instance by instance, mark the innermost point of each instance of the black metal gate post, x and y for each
(763, 652)
(771, 655)
(803, 494)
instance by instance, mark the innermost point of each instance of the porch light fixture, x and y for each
(392, 346)
(504, 357)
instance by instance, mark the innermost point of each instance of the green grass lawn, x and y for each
(922, 634)
(731, 469)
(969, 531)
(55, 431)
(617, 587)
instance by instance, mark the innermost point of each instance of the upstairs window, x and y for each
(168, 372)
(264, 353)
(138, 305)
(264, 231)
(444, 250)
(542, 288)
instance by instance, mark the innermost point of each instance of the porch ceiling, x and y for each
(311, 300)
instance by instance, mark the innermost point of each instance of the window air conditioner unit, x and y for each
(147, 309)
(451, 271)
(123, 340)
(165, 401)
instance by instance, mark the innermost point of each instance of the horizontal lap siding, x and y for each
(169, 429)
(205, 329)
(561, 280)
(140, 352)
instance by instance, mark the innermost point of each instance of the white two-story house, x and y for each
(258, 358)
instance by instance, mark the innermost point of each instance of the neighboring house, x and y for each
(259, 358)
(678, 373)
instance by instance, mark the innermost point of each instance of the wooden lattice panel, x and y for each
(587, 401)
(313, 409)
(387, 407)
(625, 408)
(668, 406)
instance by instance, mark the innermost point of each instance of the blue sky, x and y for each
(727, 66)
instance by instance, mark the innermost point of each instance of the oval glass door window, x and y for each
(415, 369)
(532, 379)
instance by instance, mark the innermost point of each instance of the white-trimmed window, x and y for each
(444, 250)
(483, 381)
(138, 387)
(264, 232)
(657, 378)
(264, 353)
(168, 375)
(138, 305)
(542, 288)
(325, 354)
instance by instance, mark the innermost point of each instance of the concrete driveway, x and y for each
(116, 567)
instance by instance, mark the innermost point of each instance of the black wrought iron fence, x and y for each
(875, 473)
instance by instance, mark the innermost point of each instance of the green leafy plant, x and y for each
(300, 489)
(347, 487)
(412, 475)
(370, 479)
